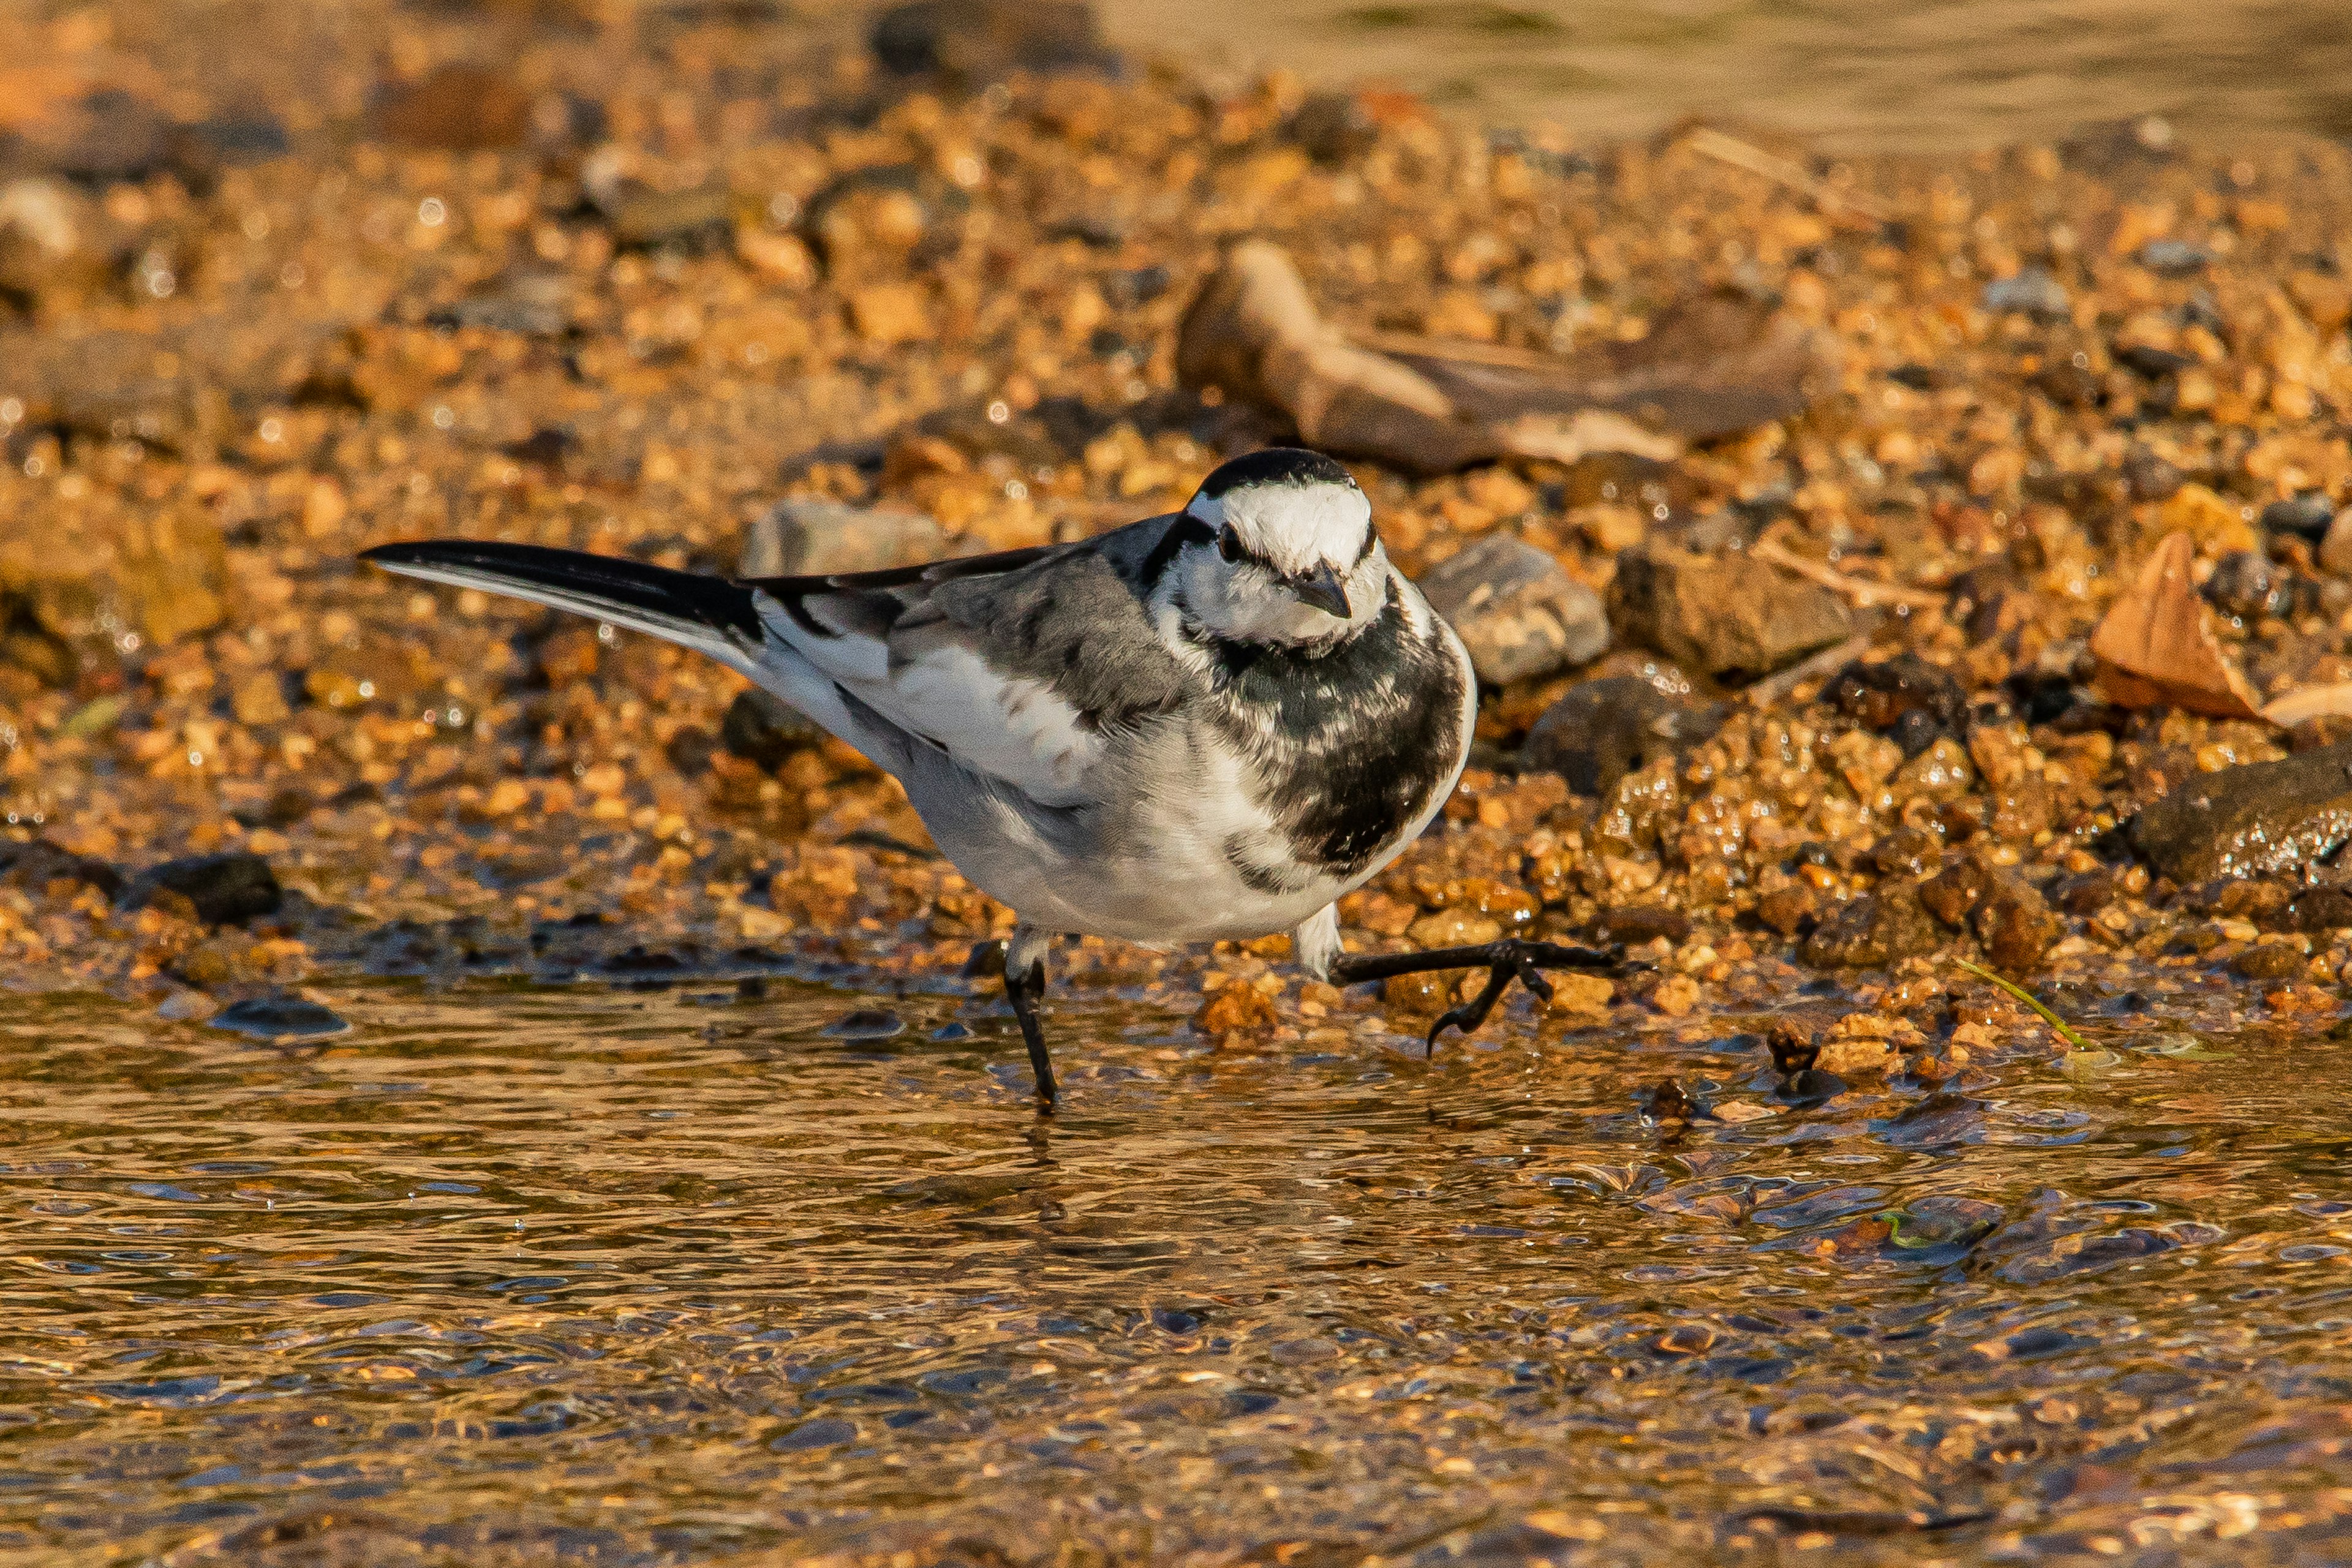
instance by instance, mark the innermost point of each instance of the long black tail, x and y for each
(709, 614)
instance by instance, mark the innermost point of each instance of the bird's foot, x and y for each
(1512, 958)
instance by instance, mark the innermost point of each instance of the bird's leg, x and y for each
(1024, 984)
(1511, 958)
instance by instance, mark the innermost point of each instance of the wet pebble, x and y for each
(2249, 819)
(867, 1024)
(222, 889)
(2305, 516)
(1721, 613)
(764, 729)
(279, 1018)
(2031, 291)
(1520, 614)
(1599, 731)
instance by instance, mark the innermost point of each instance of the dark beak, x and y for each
(1322, 589)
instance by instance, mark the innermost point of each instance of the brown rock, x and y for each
(1790, 910)
(1721, 613)
(259, 699)
(1876, 931)
(461, 107)
(2020, 812)
(2250, 820)
(2014, 923)
(2271, 960)
(1236, 1008)
(1601, 729)
(1953, 892)
(1520, 614)
(1906, 851)
(889, 314)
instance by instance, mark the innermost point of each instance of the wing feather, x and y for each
(1016, 665)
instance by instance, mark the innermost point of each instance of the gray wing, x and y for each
(1020, 666)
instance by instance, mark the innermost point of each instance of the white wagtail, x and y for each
(1204, 726)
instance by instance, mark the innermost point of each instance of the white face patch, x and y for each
(1293, 527)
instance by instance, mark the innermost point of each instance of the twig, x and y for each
(1780, 171)
(1773, 687)
(2065, 1030)
(1862, 590)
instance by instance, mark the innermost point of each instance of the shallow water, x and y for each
(512, 1274)
(1850, 75)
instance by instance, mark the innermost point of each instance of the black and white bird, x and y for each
(1203, 726)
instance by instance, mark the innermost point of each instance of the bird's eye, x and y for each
(1229, 543)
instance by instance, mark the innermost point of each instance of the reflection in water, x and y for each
(1852, 75)
(636, 1277)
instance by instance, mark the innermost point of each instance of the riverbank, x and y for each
(635, 282)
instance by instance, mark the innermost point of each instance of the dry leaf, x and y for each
(2156, 646)
(1429, 404)
(2332, 701)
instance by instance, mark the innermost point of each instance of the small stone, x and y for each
(2015, 924)
(802, 537)
(886, 314)
(460, 107)
(2150, 477)
(42, 229)
(187, 1007)
(2271, 960)
(1599, 731)
(647, 219)
(1795, 1046)
(1854, 1058)
(1879, 695)
(2031, 291)
(224, 889)
(1335, 127)
(1236, 1008)
(2174, 257)
(1454, 928)
(1519, 613)
(533, 304)
(1636, 925)
(1575, 992)
(1951, 894)
(2248, 585)
(1791, 911)
(867, 1024)
(1676, 996)
(1721, 613)
(1876, 931)
(783, 259)
(2336, 547)
(764, 729)
(1426, 991)
(260, 699)
(1685, 1339)
(2310, 516)
(2250, 820)
(1906, 851)
(281, 1018)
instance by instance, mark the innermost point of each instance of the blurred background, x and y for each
(1846, 75)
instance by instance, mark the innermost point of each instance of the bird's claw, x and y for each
(1514, 958)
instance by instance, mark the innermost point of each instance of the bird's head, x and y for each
(1282, 550)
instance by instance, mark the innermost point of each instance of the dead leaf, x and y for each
(2332, 701)
(2156, 647)
(1708, 368)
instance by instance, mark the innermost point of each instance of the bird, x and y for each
(1208, 725)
